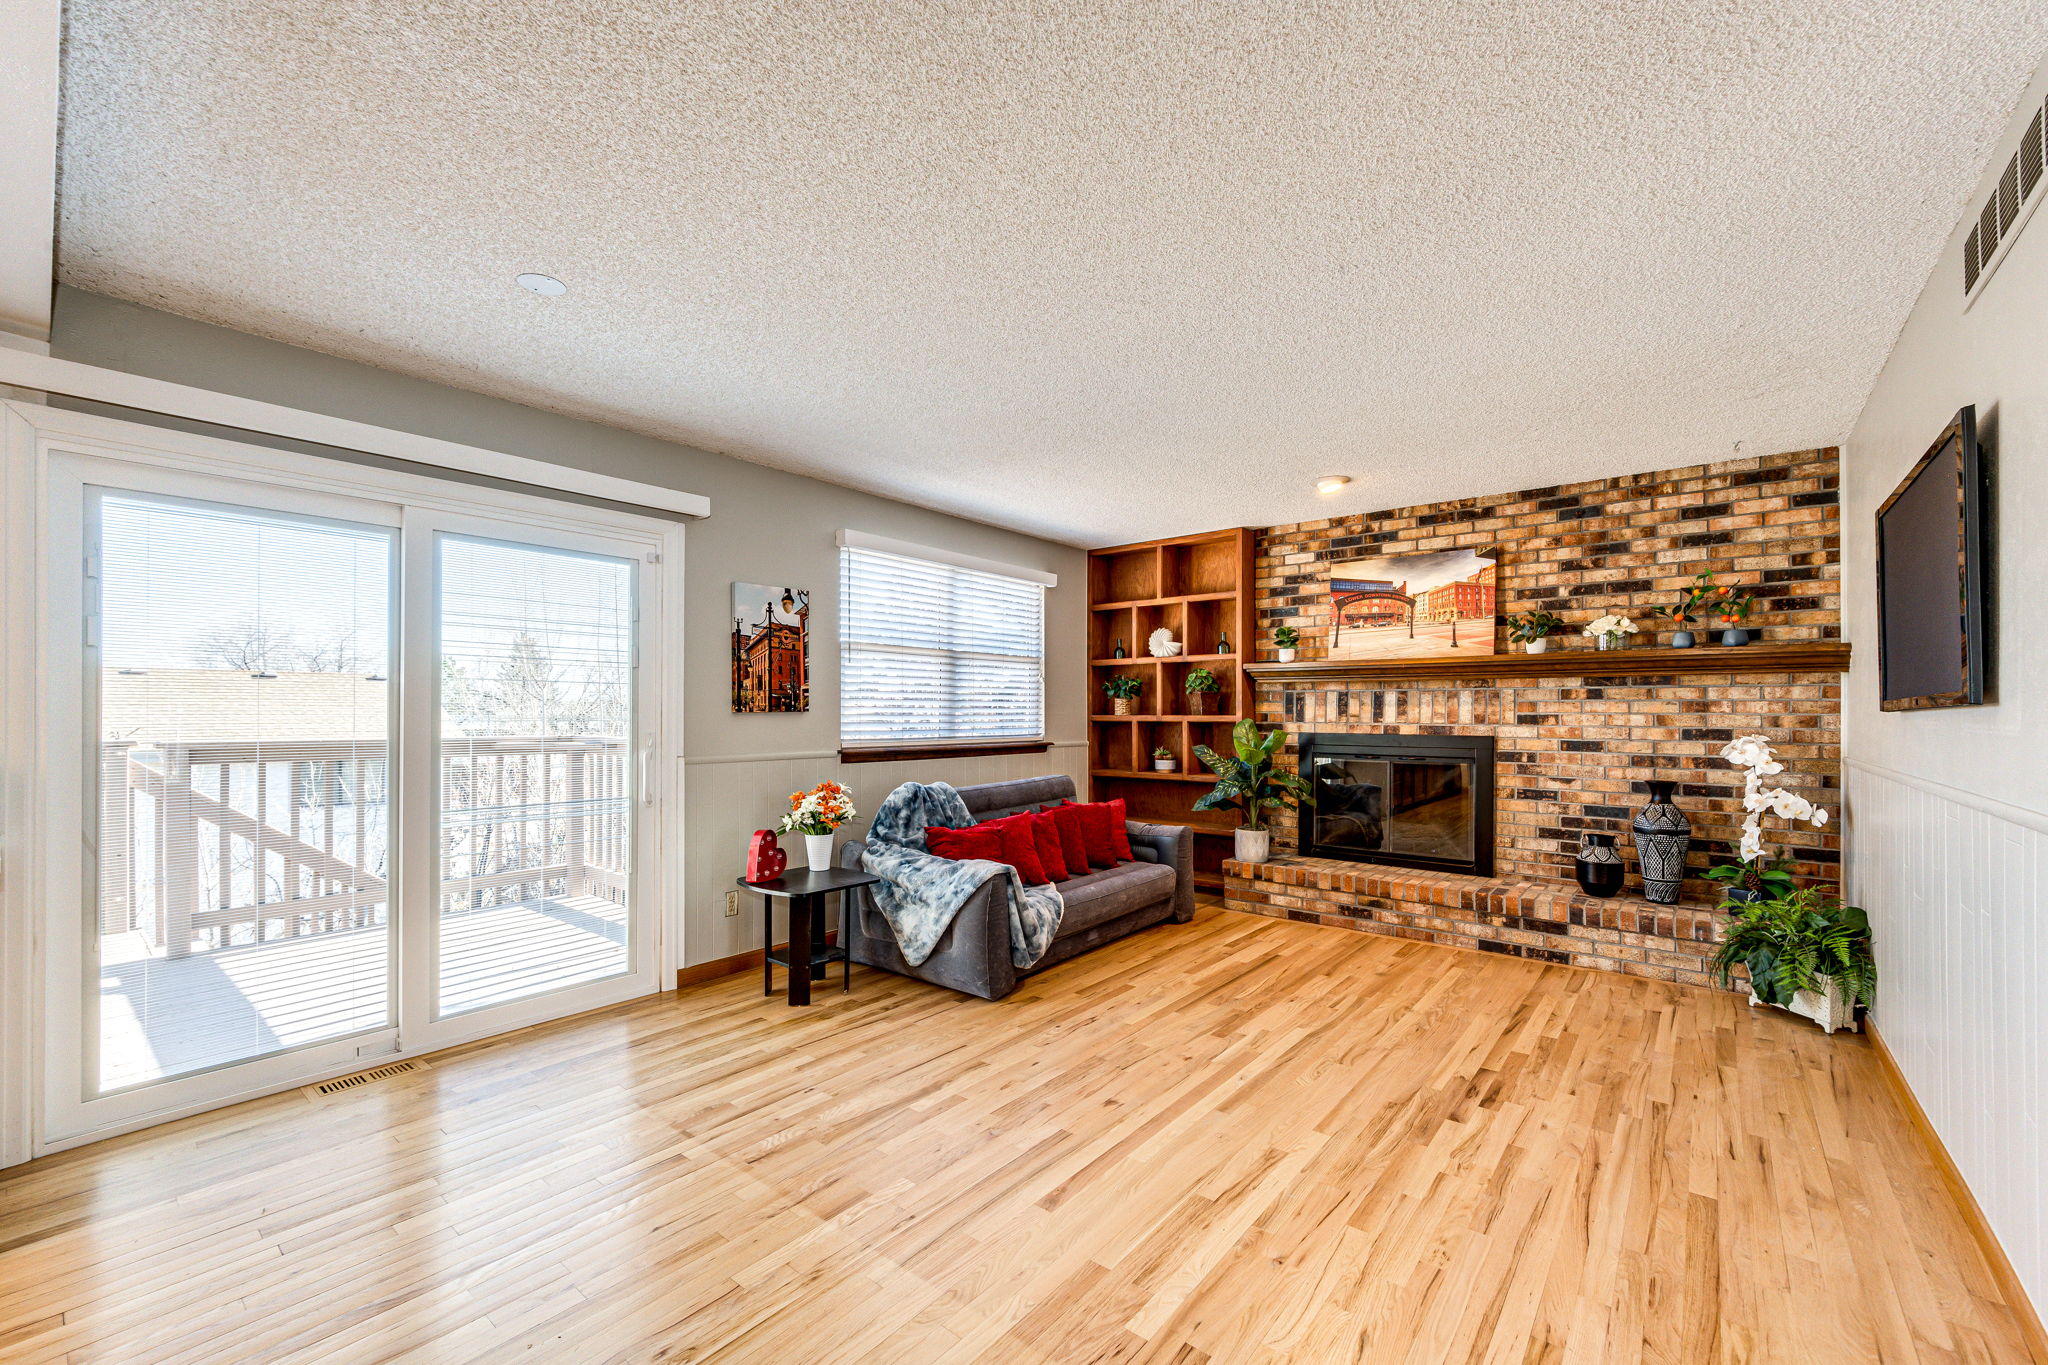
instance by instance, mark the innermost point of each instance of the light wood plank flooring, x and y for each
(1241, 1139)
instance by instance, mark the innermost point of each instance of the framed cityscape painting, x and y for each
(771, 648)
(1412, 606)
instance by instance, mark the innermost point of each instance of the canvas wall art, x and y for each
(1412, 606)
(771, 648)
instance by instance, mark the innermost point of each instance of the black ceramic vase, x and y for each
(1662, 836)
(1599, 866)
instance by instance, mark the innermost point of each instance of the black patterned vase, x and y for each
(1662, 836)
(1599, 866)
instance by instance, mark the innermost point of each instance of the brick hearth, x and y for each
(1546, 922)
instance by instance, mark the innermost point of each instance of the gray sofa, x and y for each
(973, 955)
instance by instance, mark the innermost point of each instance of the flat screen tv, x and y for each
(1932, 649)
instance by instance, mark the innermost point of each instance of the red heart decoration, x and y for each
(765, 861)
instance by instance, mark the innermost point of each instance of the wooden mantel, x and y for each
(1806, 656)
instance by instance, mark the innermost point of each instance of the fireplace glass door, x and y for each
(1410, 808)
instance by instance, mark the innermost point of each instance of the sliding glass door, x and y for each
(354, 778)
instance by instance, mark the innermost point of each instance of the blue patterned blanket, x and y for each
(920, 893)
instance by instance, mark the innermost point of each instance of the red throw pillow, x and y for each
(1066, 818)
(1020, 848)
(1118, 835)
(1051, 856)
(1098, 842)
(964, 844)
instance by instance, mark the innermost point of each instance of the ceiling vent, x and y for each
(2005, 212)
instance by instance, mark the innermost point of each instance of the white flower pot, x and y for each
(1253, 845)
(818, 851)
(1286, 656)
(1162, 765)
(1831, 1007)
(1538, 646)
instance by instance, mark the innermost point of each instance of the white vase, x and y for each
(1286, 656)
(1253, 845)
(818, 851)
(1538, 646)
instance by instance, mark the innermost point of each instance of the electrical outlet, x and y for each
(732, 902)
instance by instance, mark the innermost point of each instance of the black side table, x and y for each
(805, 892)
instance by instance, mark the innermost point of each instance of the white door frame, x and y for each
(38, 844)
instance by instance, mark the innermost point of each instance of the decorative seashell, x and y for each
(1162, 644)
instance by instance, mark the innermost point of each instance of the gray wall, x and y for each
(766, 526)
(1948, 837)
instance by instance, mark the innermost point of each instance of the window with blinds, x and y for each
(932, 653)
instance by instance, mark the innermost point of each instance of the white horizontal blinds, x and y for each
(932, 652)
(536, 688)
(244, 812)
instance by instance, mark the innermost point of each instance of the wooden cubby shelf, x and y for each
(1199, 588)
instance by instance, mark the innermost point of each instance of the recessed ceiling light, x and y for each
(543, 284)
(1330, 483)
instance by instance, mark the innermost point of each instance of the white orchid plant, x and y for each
(1610, 624)
(1756, 874)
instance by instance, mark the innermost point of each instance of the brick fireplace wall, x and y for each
(1573, 753)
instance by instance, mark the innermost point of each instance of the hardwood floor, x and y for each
(1238, 1140)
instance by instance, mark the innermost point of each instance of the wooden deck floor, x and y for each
(166, 1016)
(1238, 1140)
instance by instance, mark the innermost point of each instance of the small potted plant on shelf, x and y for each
(1162, 759)
(1731, 609)
(1757, 876)
(1533, 630)
(1805, 952)
(1201, 687)
(1123, 692)
(815, 814)
(1693, 602)
(1611, 630)
(1250, 785)
(1285, 638)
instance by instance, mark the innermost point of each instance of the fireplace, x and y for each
(1409, 800)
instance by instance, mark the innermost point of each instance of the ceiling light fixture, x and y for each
(1330, 483)
(546, 285)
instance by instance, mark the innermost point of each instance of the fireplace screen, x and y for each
(1409, 800)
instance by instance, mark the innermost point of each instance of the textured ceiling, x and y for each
(1093, 269)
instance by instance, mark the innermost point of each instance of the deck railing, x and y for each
(216, 845)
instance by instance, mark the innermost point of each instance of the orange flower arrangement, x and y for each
(820, 810)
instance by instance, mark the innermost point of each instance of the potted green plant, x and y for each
(1250, 785)
(1162, 759)
(1123, 692)
(1805, 952)
(1533, 630)
(1732, 608)
(1693, 602)
(1756, 875)
(1201, 685)
(1285, 638)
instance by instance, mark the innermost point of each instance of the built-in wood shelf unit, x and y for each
(1803, 656)
(1199, 588)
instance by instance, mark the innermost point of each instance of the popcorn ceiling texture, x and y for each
(1100, 271)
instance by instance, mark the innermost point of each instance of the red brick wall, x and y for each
(1573, 753)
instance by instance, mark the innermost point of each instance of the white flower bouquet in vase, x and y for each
(1611, 630)
(815, 814)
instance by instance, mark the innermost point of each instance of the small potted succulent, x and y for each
(1201, 686)
(1532, 631)
(1694, 601)
(1285, 638)
(1123, 693)
(1162, 759)
(1805, 952)
(1731, 609)
(1611, 630)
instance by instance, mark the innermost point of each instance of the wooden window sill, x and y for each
(916, 753)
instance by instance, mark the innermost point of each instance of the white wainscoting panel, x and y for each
(729, 799)
(1955, 886)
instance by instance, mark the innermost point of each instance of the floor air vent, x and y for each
(362, 1078)
(2006, 211)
